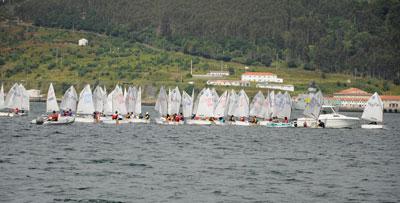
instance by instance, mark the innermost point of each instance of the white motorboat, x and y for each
(330, 118)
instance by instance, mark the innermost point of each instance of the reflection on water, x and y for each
(147, 163)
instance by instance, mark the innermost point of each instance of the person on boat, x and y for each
(177, 118)
(221, 119)
(181, 117)
(211, 119)
(253, 120)
(53, 116)
(16, 110)
(193, 116)
(115, 116)
(128, 115)
(147, 116)
(167, 117)
(69, 112)
(242, 119)
(174, 117)
(140, 116)
(305, 124)
(373, 123)
(231, 118)
(321, 124)
(286, 120)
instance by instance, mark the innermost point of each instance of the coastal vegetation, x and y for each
(38, 55)
(354, 37)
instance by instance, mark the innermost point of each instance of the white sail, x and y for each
(257, 107)
(232, 102)
(85, 104)
(274, 111)
(174, 101)
(284, 105)
(196, 103)
(222, 106)
(187, 105)
(206, 105)
(313, 107)
(215, 97)
(69, 100)
(138, 103)
(242, 106)
(2, 104)
(12, 101)
(118, 101)
(25, 98)
(98, 99)
(125, 93)
(10, 98)
(161, 104)
(373, 111)
(107, 103)
(130, 99)
(51, 102)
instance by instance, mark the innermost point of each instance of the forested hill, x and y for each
(359, 37)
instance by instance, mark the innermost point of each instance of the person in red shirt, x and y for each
(53, 116)
(286, 120)
(115, 116)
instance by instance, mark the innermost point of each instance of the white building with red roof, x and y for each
(354, 99)
(261, 77)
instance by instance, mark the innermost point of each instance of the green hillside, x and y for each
(358, 37)
(37, 56)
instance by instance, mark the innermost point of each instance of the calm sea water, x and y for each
(153, 163)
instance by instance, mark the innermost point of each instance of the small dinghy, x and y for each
(373, 112)
(241, 109)
(204, 108)
(64, 120)
(85, 106)
(52, 106)
(168, 105)
(16, 101)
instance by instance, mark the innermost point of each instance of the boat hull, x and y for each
(330, 122)
(6, 114)
(137, 120)
(162, 121)
(84, 119)
(279, 125)
(241, 123)
(199, 122)
(340, 123)
(217, 122)
(61, 121)
(371, 126)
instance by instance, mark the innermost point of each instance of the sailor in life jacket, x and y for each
(115, 116)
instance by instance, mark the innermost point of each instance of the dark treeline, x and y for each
(359, 37)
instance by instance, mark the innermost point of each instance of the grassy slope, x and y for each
(43, 55)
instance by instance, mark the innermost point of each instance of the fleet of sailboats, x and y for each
(175, 107)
